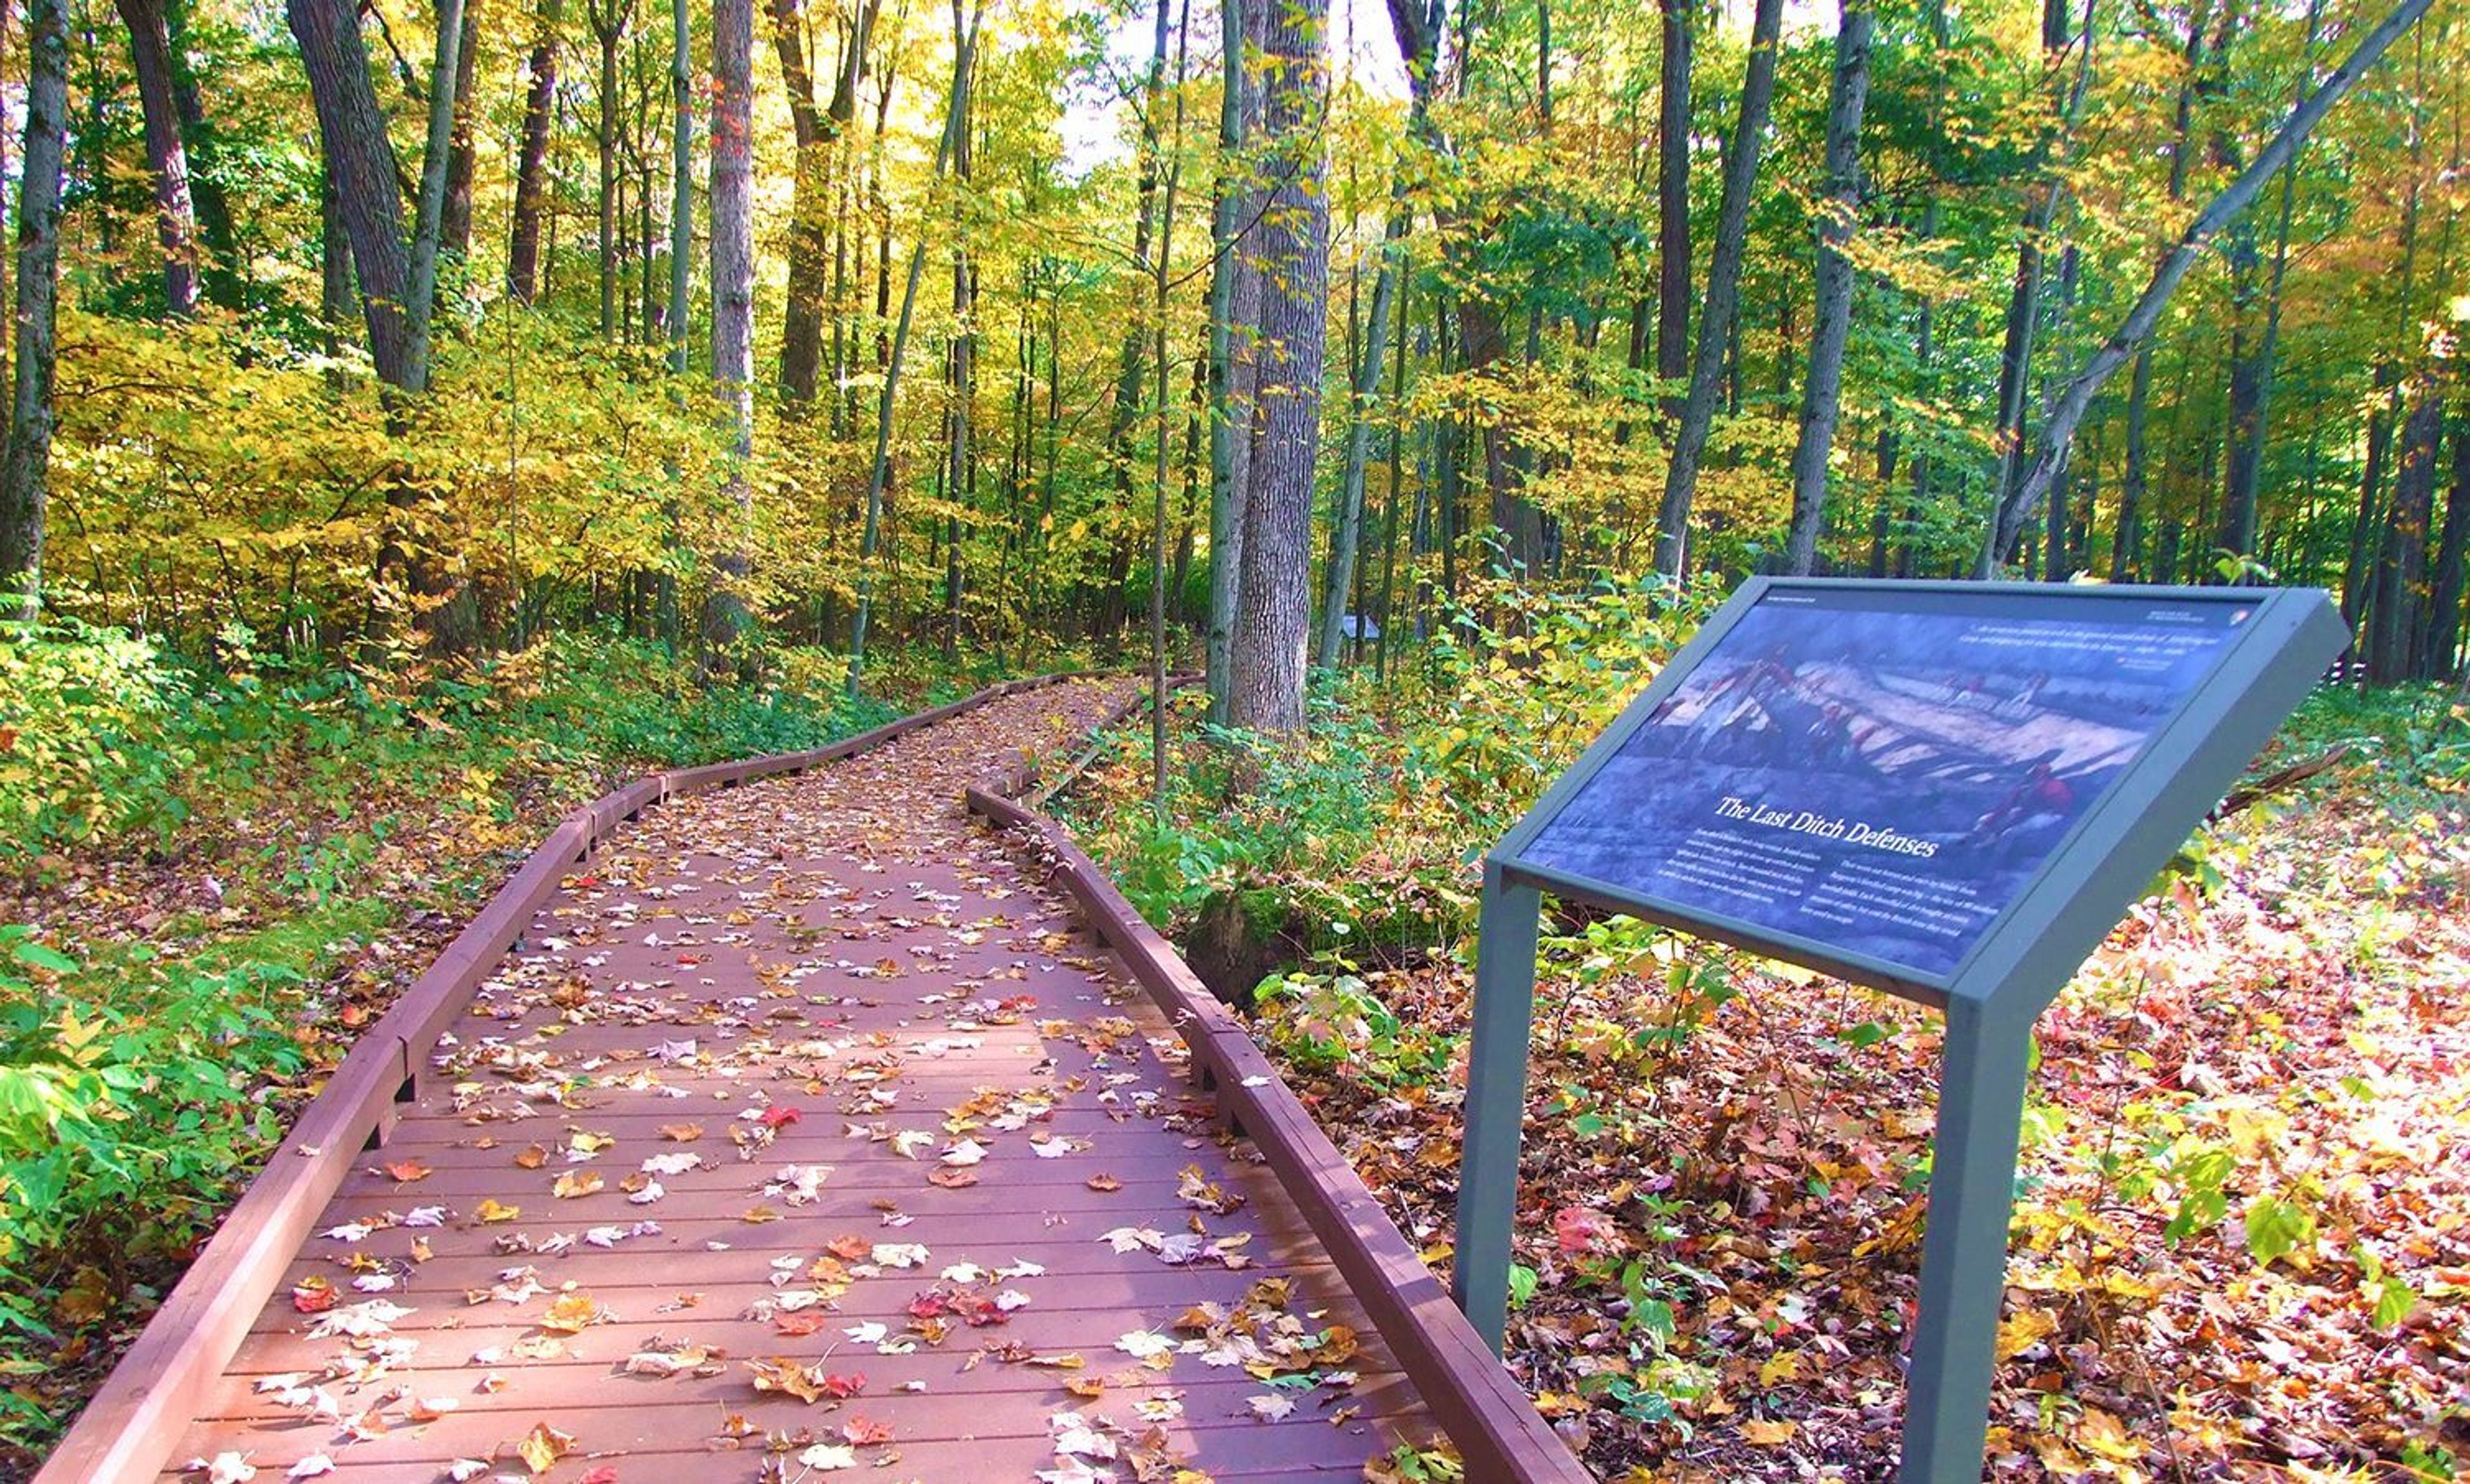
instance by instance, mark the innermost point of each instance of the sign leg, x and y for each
(1496, 1102)
(1964, 1257)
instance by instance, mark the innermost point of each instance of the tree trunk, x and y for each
(220, 267)
(1672, 208)
(2393, 627)
(1839, 212)
(960, 463)
(609, 23)
(2444, 604)
(1123, 414)
(816, 132)
(428, 214)
(733, 302)
(1480, 342)
(335, 301)
(1347, 537)
(462, 162)
(2132, 482)
(2134, 479)
(360, 160)
(681, 185)
(531, 167)
(1723, 294)
(2357, 574)
(1230, 416)
(2010, 518)
(24, 464)
(167, 158)
(1273, 608)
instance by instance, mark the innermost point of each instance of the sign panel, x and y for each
(1878, 772)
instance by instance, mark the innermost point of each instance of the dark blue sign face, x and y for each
(1883, 772)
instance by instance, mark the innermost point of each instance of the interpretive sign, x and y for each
(1877, 772)
(1948, 790)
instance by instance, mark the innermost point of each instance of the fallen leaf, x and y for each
(543, 1445)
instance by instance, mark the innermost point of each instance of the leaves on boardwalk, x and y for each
(917, 1063)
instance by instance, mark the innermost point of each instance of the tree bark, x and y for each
(1822, 391)
(361, 159)
(1273, 608)
(462, 162)
(220, 267)
(24, 464)
(1673, 207)
(816, 132)
(1234, 304)
(1723, 294)
(531, 165)
(2013, 514)
(167, 156)
(335, 301)
(2393, 627)
(2444, 604)
(733, 302)
(429, 215)
(2134, 479)
(1480, 342)
(681, 186)
(1347, 538)
(609, 22)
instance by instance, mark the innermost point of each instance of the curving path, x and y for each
(804, 1136)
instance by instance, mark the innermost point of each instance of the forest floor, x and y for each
(2242, 1247)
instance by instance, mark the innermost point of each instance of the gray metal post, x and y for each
(1964, 1257)
(1496, 1100)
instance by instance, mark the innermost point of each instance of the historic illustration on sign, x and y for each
(1883, 781)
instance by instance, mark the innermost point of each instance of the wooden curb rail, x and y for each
(136, 1419)
(1477, 1402)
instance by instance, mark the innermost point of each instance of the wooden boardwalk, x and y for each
(805, 1131)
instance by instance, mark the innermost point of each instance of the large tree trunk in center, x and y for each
(1273, 609)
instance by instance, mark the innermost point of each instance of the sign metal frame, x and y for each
(2016, 964)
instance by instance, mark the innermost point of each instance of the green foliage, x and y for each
(131, 1102)
(1335, 1020)
(88, 723)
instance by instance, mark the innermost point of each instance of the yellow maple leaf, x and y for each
(543, 1445)
(1767, 1434)
(2105, 1436)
